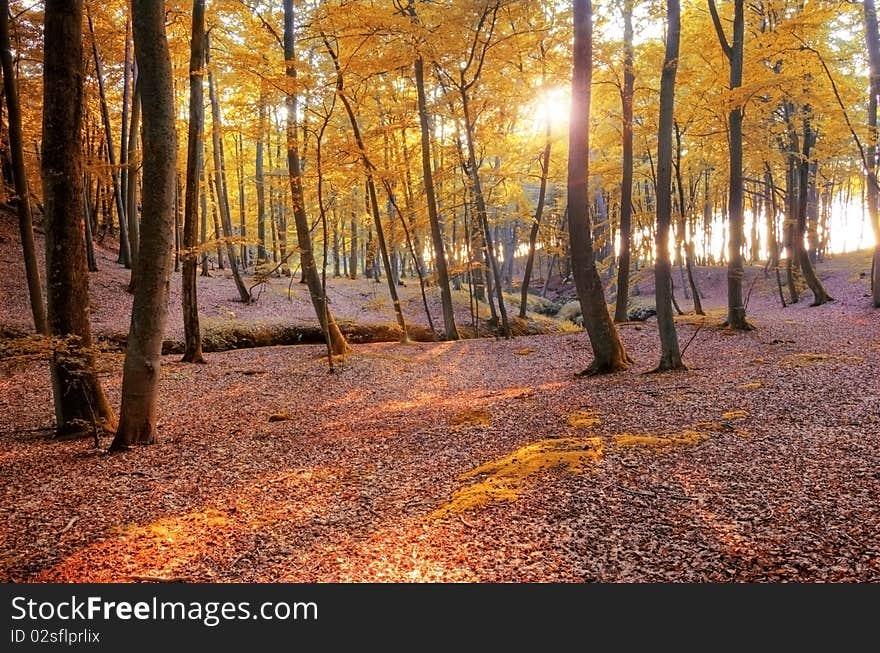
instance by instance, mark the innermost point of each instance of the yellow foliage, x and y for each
(470, 417)
(734, 414)
(584, 419)
(503, 478)
(687, 437)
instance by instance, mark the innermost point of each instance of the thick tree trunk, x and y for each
(220, 181)
(670, 354)
(80, 403)
(19, 176)
(609, 354)
(191, 329)
(143, 360)
(338, 344)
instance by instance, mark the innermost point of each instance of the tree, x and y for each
(192, 333)
(670, 355)
(609, 354)
(338, 345)
(19, 175)
(140, 380)
(626, 99)
(80, 403)
(430, 194)
(736, 310)
(872, 39)
(220, 180)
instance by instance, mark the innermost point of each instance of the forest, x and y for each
(439, 291)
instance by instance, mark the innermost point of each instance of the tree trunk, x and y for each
(670, 354)
(536, 221)
(124, 246)
(736, 311)
(19, 176)
(371, 191)
(191, 329)
(80, 404)
(259, 180)
(872, 37)
(682, 227)
(624, 259)
(482, 215)
(143, 360)
(820, 294)
(338, 344)
(609, 354)
(220, 180)
(131, 209)
(434, 218)
(242, 215)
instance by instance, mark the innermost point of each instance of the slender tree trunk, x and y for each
(143, 355)
(124, 246)
(242, 222)
(482, 214)
(434, 218)
(220, 180)
(820, 294)
(131, 206)
(371, 191)
(609, 354)
(872, 37)
(736, 311)
(682, 228)
(536, 221)
(80, 404)
(670, 354)
(338, 344)
(191, 329)
(355, 247)
(626, 96)
(259, 180)
(19, 176)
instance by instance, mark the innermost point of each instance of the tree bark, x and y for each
(338, 344)
(220, 180)
(124, 245)
(872, 38)
(131, 209)
(191, 328)
(609, 354)
(736, 311)
(820, 294)
(259, 180)
(536, 221)
(19, 176)
(670, 354)
(80, 404)
(143, 360)
(624, 259)
(371, 192)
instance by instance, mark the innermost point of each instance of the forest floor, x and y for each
(478, 460)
